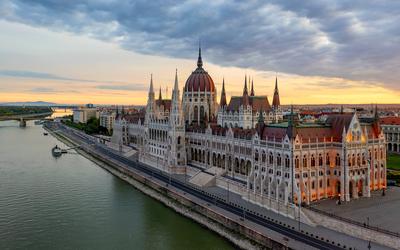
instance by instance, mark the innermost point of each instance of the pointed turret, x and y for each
(176, 109)
(151, 88)
(160, 97)
(222, 102)
(245, 101)
(276, 103)
(176, 156)
(252, 88)
(376, 113)
(151, 103)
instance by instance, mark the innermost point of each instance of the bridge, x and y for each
(25, 117)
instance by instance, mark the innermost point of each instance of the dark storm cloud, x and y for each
(357, 40)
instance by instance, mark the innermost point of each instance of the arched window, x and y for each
(201, 113)
(256, 155)
(297, 161)
(271, 158)
(320, 160)
(195, 113)
(328, 160)
(312, 161)
(287, 161)
(337, 160)
(263, 157)
(279, 160)
(304, 161)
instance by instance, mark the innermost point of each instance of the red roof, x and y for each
(391, 120)
(256, 102)
(200, 80)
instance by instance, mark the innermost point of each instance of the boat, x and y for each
(56, 151)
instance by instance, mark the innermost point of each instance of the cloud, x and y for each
(131, 87)
(357, 40)
(47, 76)
(38, 75)
(45, 90)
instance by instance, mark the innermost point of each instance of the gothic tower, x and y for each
(176, 133)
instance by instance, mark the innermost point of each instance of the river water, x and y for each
(71, 203)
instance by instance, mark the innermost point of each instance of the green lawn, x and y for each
(393, 162)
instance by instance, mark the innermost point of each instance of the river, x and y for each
(71, 203)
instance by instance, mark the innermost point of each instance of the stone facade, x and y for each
(391, 129)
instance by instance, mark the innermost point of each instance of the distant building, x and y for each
(391, 129)
(83, 114)
(107, 120)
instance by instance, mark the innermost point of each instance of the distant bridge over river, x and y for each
(25, 117)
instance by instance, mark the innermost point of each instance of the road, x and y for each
(287, 230)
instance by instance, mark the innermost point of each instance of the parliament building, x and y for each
(248, 146)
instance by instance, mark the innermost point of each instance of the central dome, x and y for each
(200, 80)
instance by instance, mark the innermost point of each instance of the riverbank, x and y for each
(232, 230)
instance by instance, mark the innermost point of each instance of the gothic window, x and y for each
(337, 160)
(312, 161)
(263, 157)
(287, 161)
(279, 160)
(297, 162)
(196, 113)
(201, 113)
(320, 160)
(304, 161)
(271, 158)
(328, 161)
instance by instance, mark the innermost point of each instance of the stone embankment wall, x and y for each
(233, 230)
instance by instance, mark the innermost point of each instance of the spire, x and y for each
(160, 96)
(275, 101)
(199, 60)
(175, 91)
(245, 93)
(252, 88)
(376, 113)
(151, 89)
(222, 103)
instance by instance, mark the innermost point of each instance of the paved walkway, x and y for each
(380, 211)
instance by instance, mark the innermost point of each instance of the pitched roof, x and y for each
(390, 120)
(256, 102)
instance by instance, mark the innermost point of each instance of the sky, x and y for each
(104, 51)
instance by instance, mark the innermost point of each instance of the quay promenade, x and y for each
(290, 233)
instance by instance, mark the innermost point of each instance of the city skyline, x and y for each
(89, 53)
